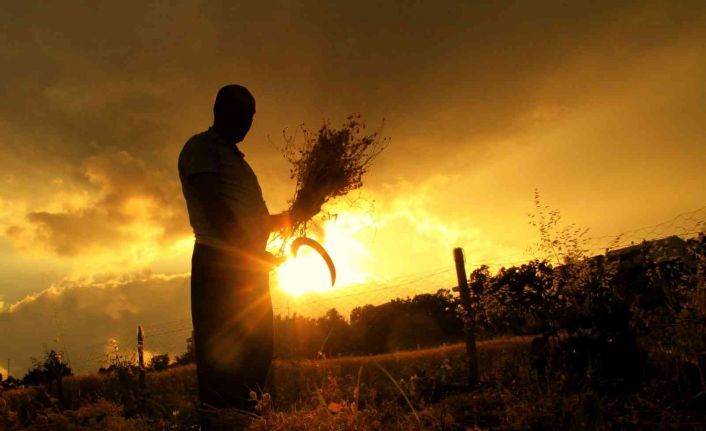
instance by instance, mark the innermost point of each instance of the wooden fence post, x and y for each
(469, 321)
(140, 354)
(700, 304)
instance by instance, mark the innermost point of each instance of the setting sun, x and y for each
(307, 271)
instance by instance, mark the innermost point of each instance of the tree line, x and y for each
(425, 320)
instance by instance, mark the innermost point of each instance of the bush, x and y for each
(159, 362)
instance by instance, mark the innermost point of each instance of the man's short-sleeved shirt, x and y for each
(207, 152)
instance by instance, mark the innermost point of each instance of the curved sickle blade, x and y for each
(298, 242)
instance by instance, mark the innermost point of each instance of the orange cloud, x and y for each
(132, 204)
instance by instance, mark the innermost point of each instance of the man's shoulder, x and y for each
(197, 148)
(199, 138)
(199, 141)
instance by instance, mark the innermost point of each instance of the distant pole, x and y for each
(469, 321)
(140, 354)
(60, 382)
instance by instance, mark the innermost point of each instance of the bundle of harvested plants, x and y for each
(325, 165)
(328, 164)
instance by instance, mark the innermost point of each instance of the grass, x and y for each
(340, 393)
(356, 393)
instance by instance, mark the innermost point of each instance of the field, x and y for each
(340, 393)
(358, 393)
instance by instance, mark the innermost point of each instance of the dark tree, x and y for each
(188, 356)
(159, 362)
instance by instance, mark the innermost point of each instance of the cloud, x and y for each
(133, 204)
(79, 317)
(454, 80)
(415, 218)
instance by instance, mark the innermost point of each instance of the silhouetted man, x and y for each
(231, 307)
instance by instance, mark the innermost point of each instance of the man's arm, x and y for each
(217, 213)
(285, 219)
(279, 221)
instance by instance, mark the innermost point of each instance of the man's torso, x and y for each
(207, 152)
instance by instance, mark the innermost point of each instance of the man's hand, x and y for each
(286, 219)
(273, 261)
(304, 209)
(280, 221)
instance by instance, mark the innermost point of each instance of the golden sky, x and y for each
(599, 105)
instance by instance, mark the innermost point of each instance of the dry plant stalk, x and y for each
(328, 164)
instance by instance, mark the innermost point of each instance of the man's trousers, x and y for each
(231, 312)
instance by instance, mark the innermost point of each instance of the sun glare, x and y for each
(308, 273)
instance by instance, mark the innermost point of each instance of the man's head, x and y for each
(233, 112)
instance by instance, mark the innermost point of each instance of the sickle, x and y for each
(298, 242)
